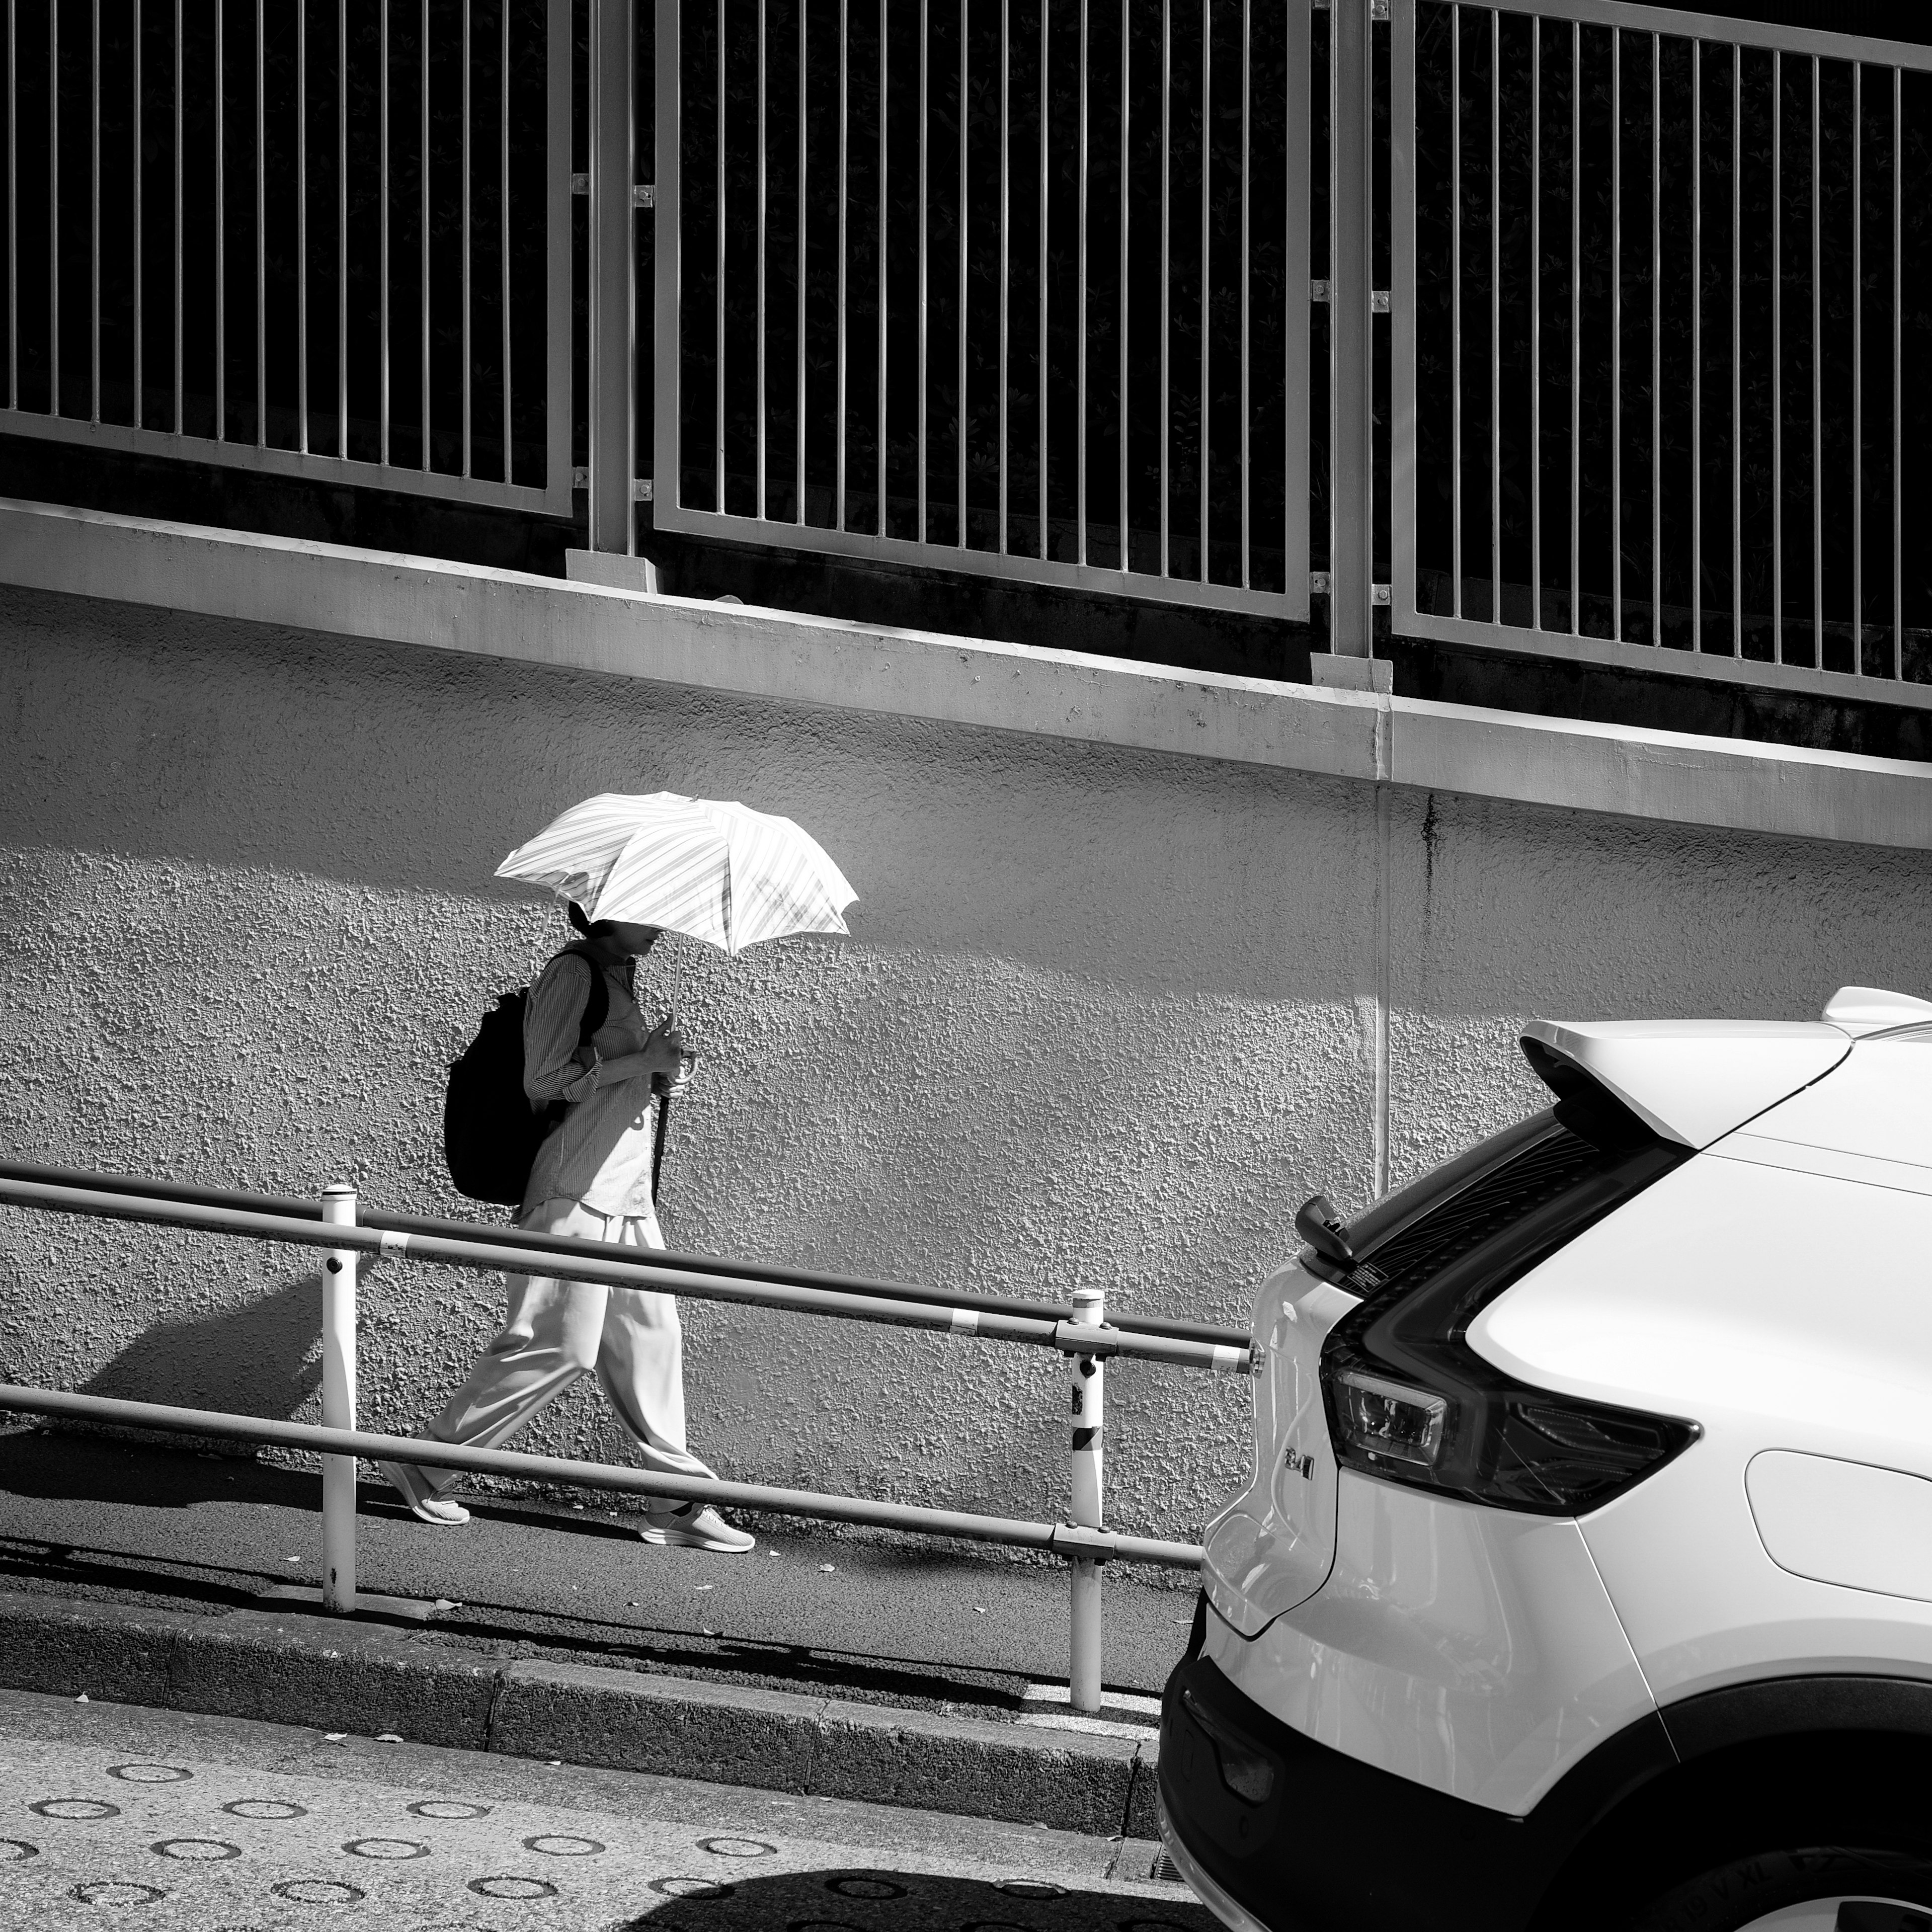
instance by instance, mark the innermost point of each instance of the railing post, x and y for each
(338, 1405)
(1089, 1405)
(1351, 620)
(613, 329)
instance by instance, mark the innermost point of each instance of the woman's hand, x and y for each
(671, 1058)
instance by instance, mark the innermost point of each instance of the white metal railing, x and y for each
(1653, 340)
(1017, 288)
(295, 237)
(1087, 1340)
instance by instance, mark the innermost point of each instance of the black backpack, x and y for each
(490, 1132)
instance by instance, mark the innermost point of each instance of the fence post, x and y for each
(1351, 620)
(338, 1405)
(613, 327)
(1089, 1379)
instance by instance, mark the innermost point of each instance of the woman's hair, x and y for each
(578, 920)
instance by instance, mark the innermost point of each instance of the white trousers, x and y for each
(554, 1331)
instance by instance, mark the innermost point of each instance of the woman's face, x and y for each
(634, 940)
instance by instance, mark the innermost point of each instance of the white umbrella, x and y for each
(712, 869)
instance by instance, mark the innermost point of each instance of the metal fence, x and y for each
(1659, 334)
(1015, 287)
(318, 238)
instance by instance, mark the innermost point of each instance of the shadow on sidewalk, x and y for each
(859, 1899)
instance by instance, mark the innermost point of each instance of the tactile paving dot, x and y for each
(264, 1808)
(13, 1850)
(509, 1887)
(821, 1925)
(554, 1845)
(737, 1848)
(691, 1887)
(1031, 1888)
(858, 1885)
(449, 1807)
(76, 1807)
(386, 1848)
(1151, 1925)
(117, 1892)
(205, 1851)
(318, 1892)
(150, 1774)
(994, 1925)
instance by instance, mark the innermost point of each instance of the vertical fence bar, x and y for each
(1350, 632)
(1898, 372)
(1080, 330)
(1166, 263)
(463, 151)
(1402, 454)
(338, 1406)
(261, 231)
(1247, 166)
(1127, 560)
(1817, 393)
(221, 224)
(1777, 358)
(93, 217)
(503, 242)
(1045, 549)
(1858, 371)
(1207, 172)
(53, 209)
(302, 220)
(613, 156)
(1737, 350)
(959, 332)
(134, 169)
(882, 268)
(1006, 171)
(1455, 306)
(1576, 328)
(1496, 316)
(666, 414)
(1296, 222)
(845, 114)
(798, 347)
(1535, 325)
(718, 426)
(1697, 345)
(178, 423)
(924, 134)
(382, 235)
(422, 171)
(1088, 1376)
(1617, 334)
(762, 233)
(14, 211)
(1657, 338)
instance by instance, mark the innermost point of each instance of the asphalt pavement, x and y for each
(84, 1516)
(111, 1813)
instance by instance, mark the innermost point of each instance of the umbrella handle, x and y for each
(657, 1144)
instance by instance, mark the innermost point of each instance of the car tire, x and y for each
(1853, 1888)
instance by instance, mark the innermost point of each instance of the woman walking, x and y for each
(591, 1178)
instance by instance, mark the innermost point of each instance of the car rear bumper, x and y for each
(1344, 1845)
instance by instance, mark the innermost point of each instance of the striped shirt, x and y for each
(600, 1152)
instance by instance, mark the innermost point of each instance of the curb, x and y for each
(372, 1680)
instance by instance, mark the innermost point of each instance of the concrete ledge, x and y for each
(369, 1680)
(789, 659)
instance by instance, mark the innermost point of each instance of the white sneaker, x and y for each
(691, 1527)
(425, 1505)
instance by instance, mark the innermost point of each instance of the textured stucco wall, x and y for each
(1106, 1016)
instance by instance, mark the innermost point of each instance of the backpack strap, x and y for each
(597, 1007)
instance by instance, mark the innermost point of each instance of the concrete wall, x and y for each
(1107, 1014)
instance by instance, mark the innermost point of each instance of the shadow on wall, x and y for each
(260, 1357)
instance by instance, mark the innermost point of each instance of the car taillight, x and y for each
(1410, 1401)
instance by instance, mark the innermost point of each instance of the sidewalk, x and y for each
(675, 1651)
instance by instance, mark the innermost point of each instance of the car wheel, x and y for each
(1820, 1888)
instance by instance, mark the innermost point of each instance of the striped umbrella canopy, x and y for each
(713, 869)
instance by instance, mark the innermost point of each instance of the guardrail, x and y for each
(1079, 1330)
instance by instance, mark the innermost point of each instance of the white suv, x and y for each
(1585, 1576)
